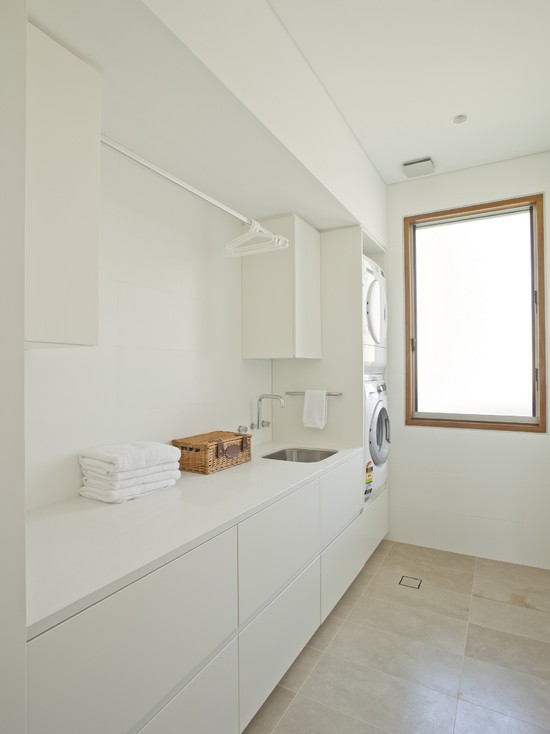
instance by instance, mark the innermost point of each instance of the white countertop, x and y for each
(81, 550)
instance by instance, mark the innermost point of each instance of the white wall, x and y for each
(12, 521)
(484, 493)
(168, 362)
(341, 367)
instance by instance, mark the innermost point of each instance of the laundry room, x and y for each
(213, 270)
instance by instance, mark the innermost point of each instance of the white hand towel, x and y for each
(123, 495)
(315, 409)
(108, 484)
(127, 456)
(93, 468)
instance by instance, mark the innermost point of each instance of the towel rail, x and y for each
(302, 392)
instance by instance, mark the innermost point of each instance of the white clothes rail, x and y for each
(237, 246)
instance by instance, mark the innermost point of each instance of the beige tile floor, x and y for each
(466, 653)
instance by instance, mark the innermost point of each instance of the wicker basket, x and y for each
(214, 451)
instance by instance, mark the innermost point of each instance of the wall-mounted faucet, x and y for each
(261, 423)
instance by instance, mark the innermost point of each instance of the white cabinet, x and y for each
(274, 545)
(209, 704)
(342, 498)
(62, 195)
(106, 668)
(340, 564)
(271, 643)
(375, 523)
(281, 295)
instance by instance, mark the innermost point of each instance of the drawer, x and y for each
(340, 564)
(209, 704)
(272, 641)
(105, 669)
(342, 498)
(274, 545)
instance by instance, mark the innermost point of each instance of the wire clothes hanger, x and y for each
(255, 241)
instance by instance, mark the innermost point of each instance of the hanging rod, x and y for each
(192, 190)
(302, 392)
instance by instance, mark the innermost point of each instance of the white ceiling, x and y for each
(397, 70)
(400, 70)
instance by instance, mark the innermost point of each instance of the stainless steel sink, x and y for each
(301, 454)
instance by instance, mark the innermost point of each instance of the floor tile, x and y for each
(271, 712)
(417, 662)
(446, 559)
(510, 618)
(304, 716)
(506, 691)
(417, 624)
(380, 699)
(297, 674)
(472, 719)
(511, 651)
(347, 603)
(326, 632)
(428, 597)
(452, 579)
(520, 586)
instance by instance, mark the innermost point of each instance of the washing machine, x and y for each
(376, 435)
(375, 318)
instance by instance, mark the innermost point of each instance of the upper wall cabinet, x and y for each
(62, 195)
(281, 295)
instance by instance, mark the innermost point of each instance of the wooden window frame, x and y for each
(537, 424)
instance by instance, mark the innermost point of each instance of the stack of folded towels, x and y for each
(120, 472)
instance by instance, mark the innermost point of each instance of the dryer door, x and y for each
(379, 434)
(376, 311)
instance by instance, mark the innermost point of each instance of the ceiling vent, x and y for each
(419, 167)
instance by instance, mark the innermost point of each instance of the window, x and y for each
(475, 317)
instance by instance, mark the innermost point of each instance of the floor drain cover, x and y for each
(411, 582)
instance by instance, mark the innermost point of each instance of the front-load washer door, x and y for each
(379, 434)
(375, 316)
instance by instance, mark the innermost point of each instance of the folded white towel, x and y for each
(127, 456)
(108, 484)
(93, 468)
(123, 495)
(315, 409)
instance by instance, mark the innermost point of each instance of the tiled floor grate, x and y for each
(410, 581)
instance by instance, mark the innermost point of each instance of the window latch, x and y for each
(413, 344)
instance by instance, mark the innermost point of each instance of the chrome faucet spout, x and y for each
(259, 422)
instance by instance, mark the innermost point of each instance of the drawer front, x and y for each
(271, 643)
(274, 545)
(209, 704)
(104, 669)
(340, 564)
(375, 522)
(342, 498)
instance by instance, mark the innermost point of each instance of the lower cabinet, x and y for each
(340, 564)
(269, 645)
(375, 523)
(209, 704)
(105, 669)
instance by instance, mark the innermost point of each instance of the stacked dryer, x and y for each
(376, 433)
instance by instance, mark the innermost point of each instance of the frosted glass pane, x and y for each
(474, 330)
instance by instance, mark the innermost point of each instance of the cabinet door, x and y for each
(271, 643)
(209, 704)
(340, 564)
(342, 498)
(375, 522)
(104, 669)
(62, 194)
(281, 295)
(274, 545)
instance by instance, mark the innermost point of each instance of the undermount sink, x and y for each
(301, 454)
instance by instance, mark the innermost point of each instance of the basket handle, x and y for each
(233, 449)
